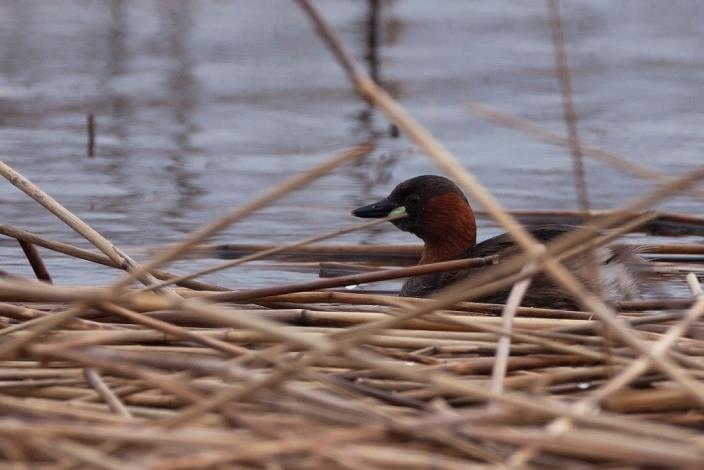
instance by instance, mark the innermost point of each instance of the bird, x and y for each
(437, 211)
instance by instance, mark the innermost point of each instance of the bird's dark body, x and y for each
(438, 213)
(541, 293)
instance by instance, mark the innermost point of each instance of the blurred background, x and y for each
(199, 105)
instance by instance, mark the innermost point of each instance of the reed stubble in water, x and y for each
(90, 131)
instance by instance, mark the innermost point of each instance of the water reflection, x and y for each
(377, 169)
(115, 114)
(116, 64)
(181, 94)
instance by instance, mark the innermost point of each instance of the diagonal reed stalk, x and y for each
(70, 219)
(445, 160)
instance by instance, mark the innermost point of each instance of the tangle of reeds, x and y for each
(178, 373)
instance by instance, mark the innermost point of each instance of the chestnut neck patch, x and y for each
(447, 226)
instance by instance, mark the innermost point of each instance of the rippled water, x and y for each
(201, 105)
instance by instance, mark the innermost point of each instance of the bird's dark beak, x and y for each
(378, 210)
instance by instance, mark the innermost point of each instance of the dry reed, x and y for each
(295, 376)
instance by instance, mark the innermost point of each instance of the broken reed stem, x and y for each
(85, 230)
(90, 129)
(384, 254)
(35, 261)
(176, 331)
(694, 285)
(359, 298)
(26, 313)
(409, 338)
(503, 346)
(342, 281)
(99, 385)
(272, 251)
(39, 326)
(401, 254)
(80, 253)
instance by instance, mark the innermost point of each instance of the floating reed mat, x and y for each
(134, 379)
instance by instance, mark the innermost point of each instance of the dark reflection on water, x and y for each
(116, 64)
(181, 91)
(201, 105)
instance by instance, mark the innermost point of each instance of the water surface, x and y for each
(202, 105)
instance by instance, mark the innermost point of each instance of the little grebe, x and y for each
(438, 213)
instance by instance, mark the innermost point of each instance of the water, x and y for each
(201, 105)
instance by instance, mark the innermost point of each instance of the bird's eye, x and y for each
(412, 199)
